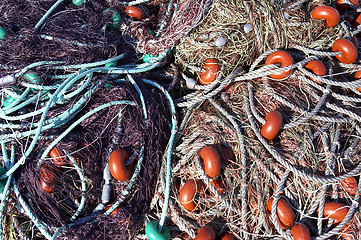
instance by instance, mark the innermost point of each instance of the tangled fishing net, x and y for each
(237, 32)
(179, 119)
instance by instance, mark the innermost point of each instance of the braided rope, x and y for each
(279, 158)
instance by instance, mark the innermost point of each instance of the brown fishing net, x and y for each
(86, 108)
(237, 32)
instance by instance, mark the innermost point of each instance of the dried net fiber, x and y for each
(73, 82)
(312, 166)
(185, 15)
(305, 165)
(237, 32)
(62, 117)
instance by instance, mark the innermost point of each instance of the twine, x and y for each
(317, 146)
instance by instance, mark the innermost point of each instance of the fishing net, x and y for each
(82, 81)
(85, 145)
(73, 35)
(306, 162)
(317, 148)
(237, 32)
(64, 94)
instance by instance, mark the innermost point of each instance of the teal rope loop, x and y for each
(37, 133)
(77, 122)
(169, 152)
(83, 186)
(8, 182)
(47, 14)
(140, 96)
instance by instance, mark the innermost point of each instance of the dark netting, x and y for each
(73, 77)
(72, 34)
(87, 144)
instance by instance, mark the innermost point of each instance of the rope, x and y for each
(317, 147)
(277, 156)
(169, 151)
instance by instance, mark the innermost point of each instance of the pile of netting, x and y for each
(180, 119)
(306, 165)
(268, 152)
(237, 32)
(74, 93)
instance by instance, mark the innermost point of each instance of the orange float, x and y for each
(317, 67)
(212, 162)
(117, 165)
(228, 236)
(350, 185)
(47, 178)
(273, 124)
(348, 51)
(282, 57)
(335, 210)
(300, 231)
(212, 68)
(134, 12)
(57, 157)
(205, 233)
(285, 213)
(329, 14)
(187, 193)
